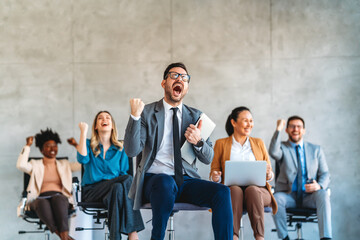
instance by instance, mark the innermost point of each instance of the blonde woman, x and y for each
(105, 178)
(239, 146)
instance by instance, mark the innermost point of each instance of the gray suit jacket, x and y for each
(285, 157)
(145, 135)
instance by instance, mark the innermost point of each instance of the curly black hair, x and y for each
(45, 136)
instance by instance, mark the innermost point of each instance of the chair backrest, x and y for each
(97, 209)
(26, 177)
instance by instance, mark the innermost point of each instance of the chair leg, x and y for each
(299, 231)
(171, 229)
(107, 230)
(241, 234)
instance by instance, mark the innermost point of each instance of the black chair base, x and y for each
(44, 230)
(299, 216)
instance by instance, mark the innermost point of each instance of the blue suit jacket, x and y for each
(145, 135)
(284, 155)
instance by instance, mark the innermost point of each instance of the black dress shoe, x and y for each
(326, 238)
(286, 238)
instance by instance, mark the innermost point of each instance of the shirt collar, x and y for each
(246, 144)
(112, 146)
(301, 144)
(168, 107)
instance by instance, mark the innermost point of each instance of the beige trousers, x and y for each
(254, 199)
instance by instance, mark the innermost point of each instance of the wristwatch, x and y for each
(200, 143)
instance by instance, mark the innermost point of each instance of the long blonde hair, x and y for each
(95, 138)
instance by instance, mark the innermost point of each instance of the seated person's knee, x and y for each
(164, 183)
(251, 190)
(322, 194)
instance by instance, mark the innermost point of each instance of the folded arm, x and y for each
(203, 149)
(205, 153)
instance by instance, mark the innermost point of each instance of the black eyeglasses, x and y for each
(291, 126)
(183, 77)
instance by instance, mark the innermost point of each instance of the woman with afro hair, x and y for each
(49, 189)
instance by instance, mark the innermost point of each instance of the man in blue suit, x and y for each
(303, 177)
(157, 130)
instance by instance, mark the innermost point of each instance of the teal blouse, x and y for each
(96, 169)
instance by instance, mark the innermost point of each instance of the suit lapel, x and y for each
(227, 149)
(160, 119)
(255, 150)
(187, 119)
(292, 153)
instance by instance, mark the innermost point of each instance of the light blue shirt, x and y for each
(303, 165)
(96, 169)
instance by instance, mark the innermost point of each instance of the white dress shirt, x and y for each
(241, 152)
(164, 159)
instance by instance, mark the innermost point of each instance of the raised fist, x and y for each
(137, 106)
(83, 127)
(72, 142)
(280, 124)
(29, 141)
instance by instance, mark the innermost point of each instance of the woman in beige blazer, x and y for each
(49, 189)
(239, 146)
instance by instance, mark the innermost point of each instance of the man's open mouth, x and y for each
(177, 89)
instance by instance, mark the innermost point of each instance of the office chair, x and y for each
(96, 209)
(177, 208)
(296, 215)
(299, 216)
(29, 215)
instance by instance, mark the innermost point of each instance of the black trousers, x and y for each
(52, 209)
(114, 194)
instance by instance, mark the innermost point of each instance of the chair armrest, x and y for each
(21, 207)
(75, 189)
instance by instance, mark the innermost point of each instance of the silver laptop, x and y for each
(245, 173)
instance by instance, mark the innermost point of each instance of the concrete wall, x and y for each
(63, 61)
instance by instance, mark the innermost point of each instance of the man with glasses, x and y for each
(303, 177)
(157, 131)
